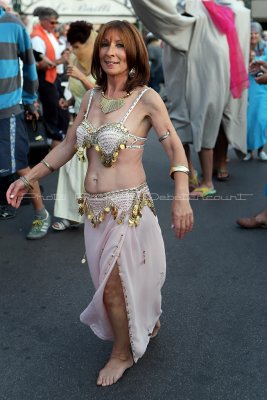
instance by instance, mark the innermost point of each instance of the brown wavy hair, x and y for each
(136, 55)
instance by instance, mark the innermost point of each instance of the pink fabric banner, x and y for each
(224, 20)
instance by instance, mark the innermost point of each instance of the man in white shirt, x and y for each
(196, 66)
(48, 56)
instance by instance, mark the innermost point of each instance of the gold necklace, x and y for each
(108, 105)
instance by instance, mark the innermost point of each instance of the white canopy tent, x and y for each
(94, 11)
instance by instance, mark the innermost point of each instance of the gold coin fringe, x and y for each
(134, 214)
(107, 159)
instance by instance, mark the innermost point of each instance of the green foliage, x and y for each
(16, 4)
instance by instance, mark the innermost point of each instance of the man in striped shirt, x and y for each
(16, 101)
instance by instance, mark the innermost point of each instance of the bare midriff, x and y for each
(126, 173)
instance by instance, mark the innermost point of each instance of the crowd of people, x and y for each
(115, 81)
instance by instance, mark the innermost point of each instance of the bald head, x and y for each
(6, 6)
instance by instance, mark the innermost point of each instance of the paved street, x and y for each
(212, 345)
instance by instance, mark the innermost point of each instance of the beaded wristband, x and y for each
(47, 165)
(26, 183)
(178, 168)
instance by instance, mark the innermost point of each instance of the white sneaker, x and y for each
(248, 157)
(262, 156)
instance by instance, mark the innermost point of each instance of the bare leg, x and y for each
(205, 187)
(220, 155)
(189, 160)
(121, 356)
(35, 193)
(193, 176)
(206, 161)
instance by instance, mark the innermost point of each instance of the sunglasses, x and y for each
(52, 22)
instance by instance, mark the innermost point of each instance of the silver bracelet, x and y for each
(163, 137)
(178, 168)
(26, 182)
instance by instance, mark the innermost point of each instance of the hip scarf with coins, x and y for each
(123, 205)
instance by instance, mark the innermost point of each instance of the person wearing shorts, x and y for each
(16, 103)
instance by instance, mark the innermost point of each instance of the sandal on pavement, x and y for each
(202, 192)
(64, 224)
(222, 175)
(7, 212)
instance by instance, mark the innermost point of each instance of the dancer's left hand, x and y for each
(182, 217)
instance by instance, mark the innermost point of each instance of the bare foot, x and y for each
(114, 369)
(155, 330)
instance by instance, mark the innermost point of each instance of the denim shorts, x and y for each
(14, 145)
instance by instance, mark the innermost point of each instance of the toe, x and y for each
(100, 379)
(104, 381)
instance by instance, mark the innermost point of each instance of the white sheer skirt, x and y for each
(136, 247)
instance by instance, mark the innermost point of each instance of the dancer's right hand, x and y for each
(15, 193)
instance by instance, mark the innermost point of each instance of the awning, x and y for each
(94, 11)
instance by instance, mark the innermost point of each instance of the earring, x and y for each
(132, 73)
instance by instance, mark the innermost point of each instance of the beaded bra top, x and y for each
(109, 139)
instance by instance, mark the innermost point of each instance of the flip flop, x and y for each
(64, 224)
(202, 192)
(222, 175)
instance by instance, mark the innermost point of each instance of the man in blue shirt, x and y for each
(16, 101)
